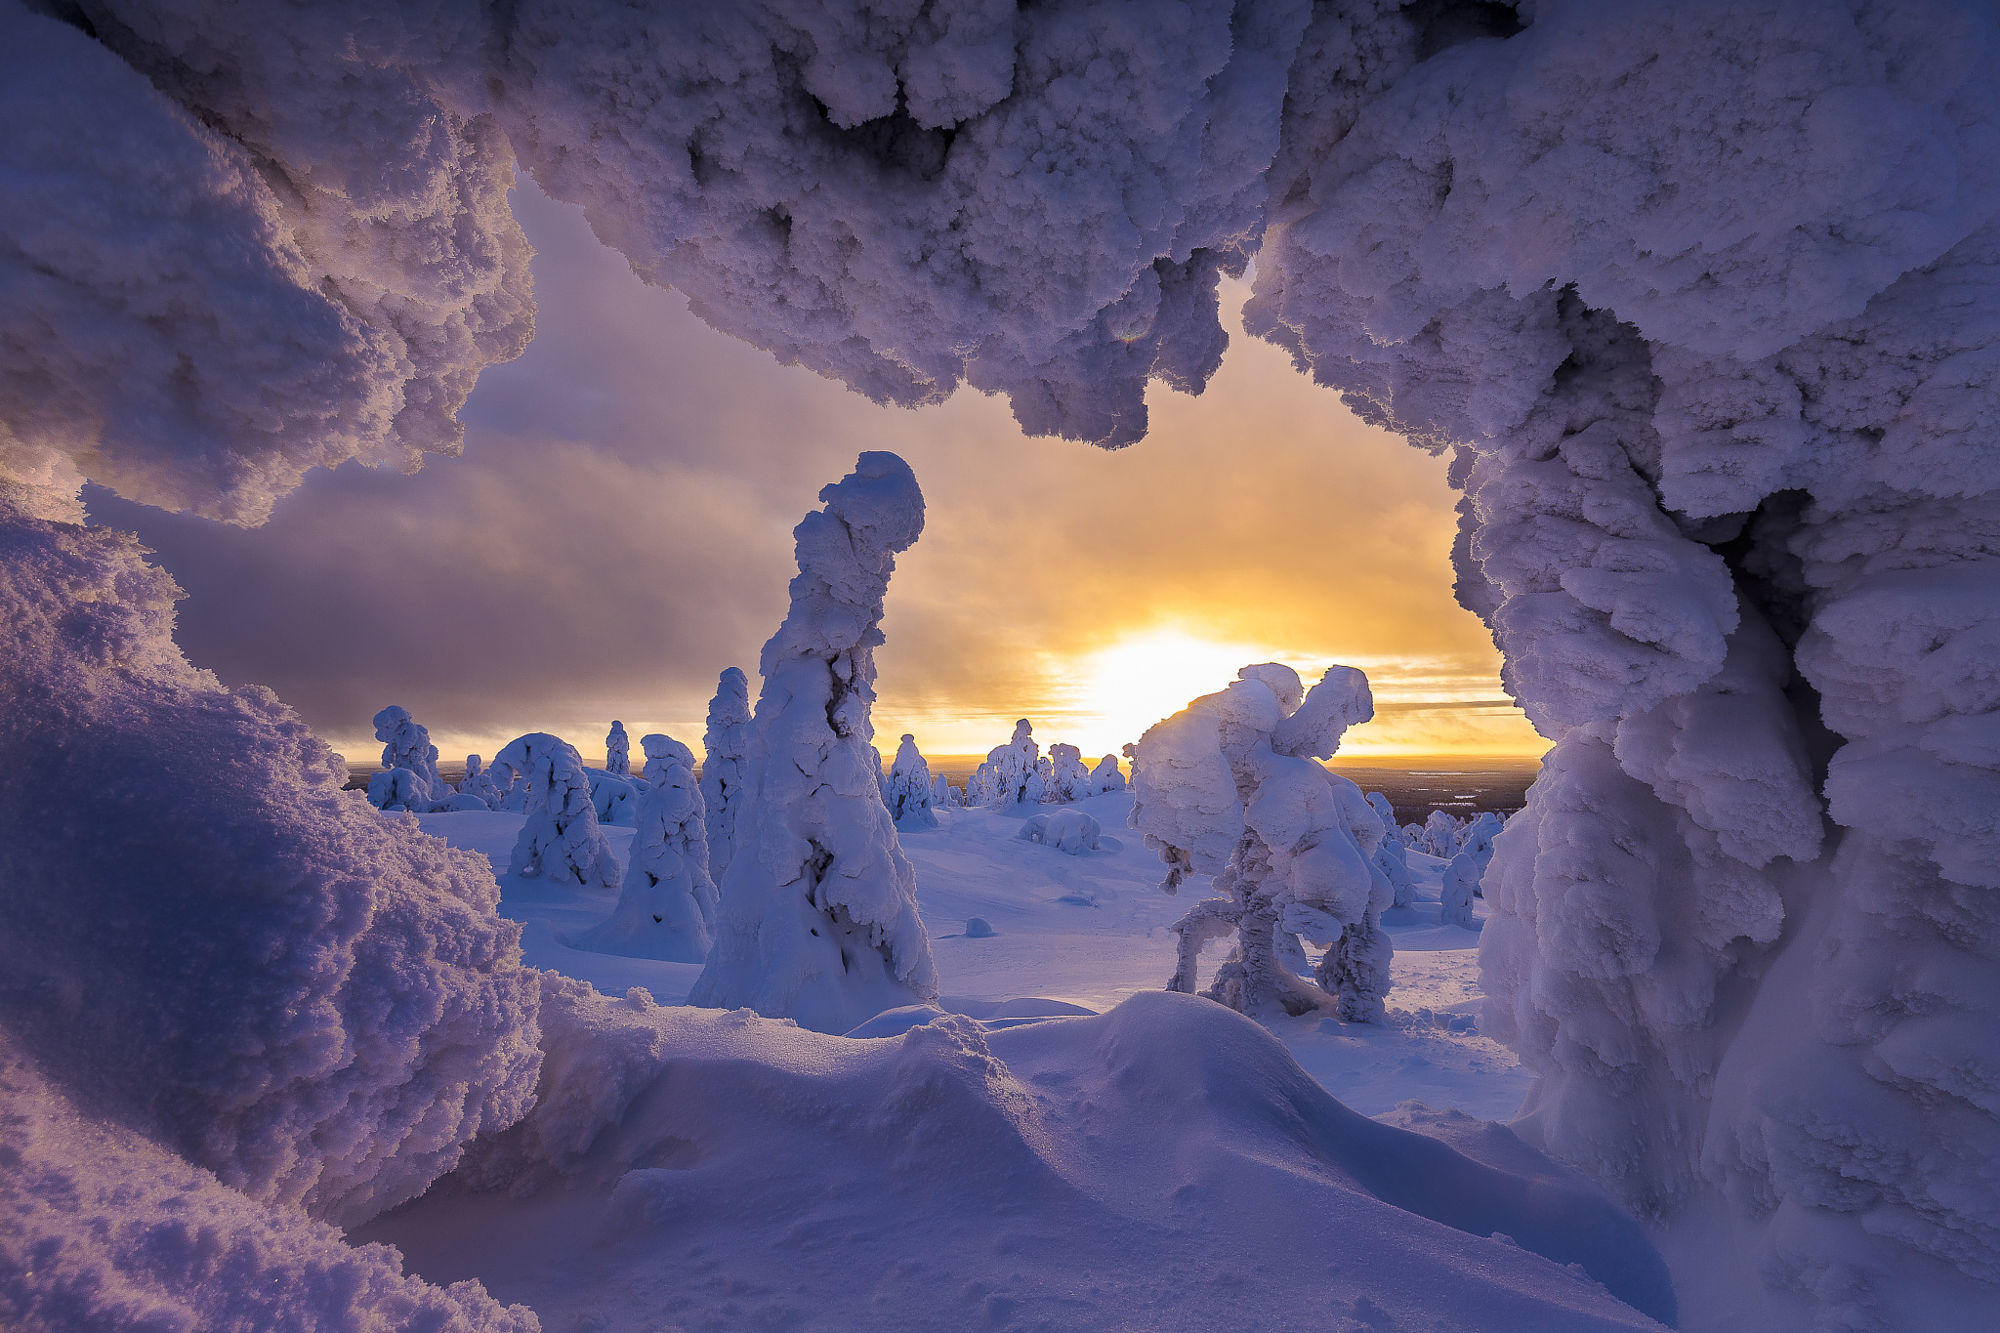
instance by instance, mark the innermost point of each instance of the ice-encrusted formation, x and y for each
(561, 839)
(666, 906)
(819, 920)
(406, 744)
(725, 750)
(617, 751)
(230, 954)
(909, 794)
(1392, 856)
(1068, 779)
(1106, 777)
(1011, 775)
(1230, 787)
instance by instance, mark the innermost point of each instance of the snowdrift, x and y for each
(1165, 1165)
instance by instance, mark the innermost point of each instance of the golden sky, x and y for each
(618, 530)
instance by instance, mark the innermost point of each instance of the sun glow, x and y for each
(1126, 688)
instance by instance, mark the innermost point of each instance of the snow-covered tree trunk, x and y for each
(725, 747)
(819, 920)
(618, 751)
(667, 903)
(561, 840)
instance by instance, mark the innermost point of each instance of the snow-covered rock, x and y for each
(1071, 831)
(819, 920)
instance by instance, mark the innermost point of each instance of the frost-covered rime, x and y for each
(819, 919)
(910, 787)
(317, 1004)
(1229, 787)
(561, 838)
(725, 749)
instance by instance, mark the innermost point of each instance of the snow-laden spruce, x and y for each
(1230, 787)
(1011, 775)
(617, 751)
(406, 746)
(1392, 856)
(612, 799)
(909, 792)
(560, 840)
(819, 920)
(944, 796)
(1068, 779)
(666, 905)
(724, 764)
(479, 783)
(1106, 777)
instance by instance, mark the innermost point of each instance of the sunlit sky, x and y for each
(619, 530)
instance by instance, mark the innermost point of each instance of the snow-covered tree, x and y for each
(1106, 777)
(1441, 832)
(667, 903)
(1068, 780)
(1392, 857)
(407, 745)
(909, 794)
(819, 915)
(1011, 775)
(617, 752)
(399, 789)
(943, 795)
(725, 747)
(1230, 787)
(612, 799)
(561, 840)
(480, 784)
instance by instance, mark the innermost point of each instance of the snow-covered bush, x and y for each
(407, 745)
(1440, 834)
(1011, 775)
(1230, 787)
(1070, 831)
(458, 803)
(1068, 780)
(399, 789)
(478, 783)
(725, 747)
(561, 840)
(1106, 777)
(1391, 857)
(819, 920)
(666, 906)
(909, 792)
(617, 751)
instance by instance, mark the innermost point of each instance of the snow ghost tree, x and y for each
(666, 906)
(725, 747)
(943, 795)
(407, 745)
(1106, 777)
(561, 840)
(909, 793)
(1391, 858)
(818, 920)
(611, 798)
(399, 789)
(1230, 786)
(1011, 775)
(479, 783)
(1068, 779)
(1697, 297)
(617, 752)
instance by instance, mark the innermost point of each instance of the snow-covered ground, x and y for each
(1085, 931)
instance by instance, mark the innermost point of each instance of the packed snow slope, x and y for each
(1162, 1166)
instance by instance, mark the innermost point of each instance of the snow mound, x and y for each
(1070, 831)
(999, 1174)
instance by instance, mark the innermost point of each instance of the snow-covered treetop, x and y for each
(407, 744)
(664, 757)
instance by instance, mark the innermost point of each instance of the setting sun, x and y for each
(1126, 688)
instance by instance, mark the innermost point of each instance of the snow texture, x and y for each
(1229, 787)
(561, 839)
(725, 750)
(909, 790)
(617, 752)
(667, 904)
(819, 912)
(258, 971)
